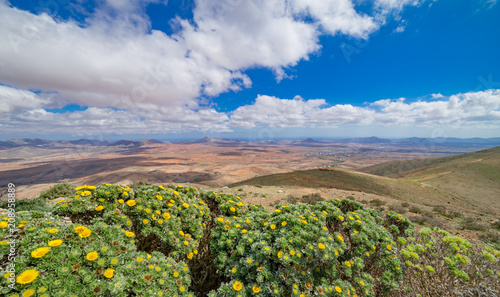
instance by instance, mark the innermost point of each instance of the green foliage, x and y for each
(63, 259)
(59, 190)
(37, 204)
(177, 241)
(328, 248)
(440, 264)
(165, 219)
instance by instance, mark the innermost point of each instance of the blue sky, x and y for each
(249, 69)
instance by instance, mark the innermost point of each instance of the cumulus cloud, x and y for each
(473, 109)
(114, 58)
(461, 110)
(13, 100)
(137, 78)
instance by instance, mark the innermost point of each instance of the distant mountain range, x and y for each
(42, 143)
(308, 142)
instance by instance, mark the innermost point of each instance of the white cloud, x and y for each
(155, 80)
(13, 100)
(461, 110)
(473, 109)
(399, 29)
(113, 58)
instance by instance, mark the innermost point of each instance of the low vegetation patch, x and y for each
(150, 240)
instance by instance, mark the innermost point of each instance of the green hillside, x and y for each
(472, 179)
(416, 167)
(349, 180)
(469, 181)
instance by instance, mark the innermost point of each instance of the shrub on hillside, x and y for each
(335, 248)
(59, 190)
(60, 259)
(440, 264)
(178, 241)
(377, 202)
(312, 198)
(415, 209)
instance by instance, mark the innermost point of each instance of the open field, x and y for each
(35, 164)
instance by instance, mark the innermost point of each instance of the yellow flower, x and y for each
(121, 201)
(237, 286)
(341, 218)
(244, 231)
(283, 223)
(20, 226)
(129, 234)
(140, 259)
(5, 242)
(99, 208)
(234, 270)
(338, 289)
(53, 230)
(125, 194)
(389, 247)
(340, 237)
(92, 256)
(160, 221)
(221, 220)
(273, 226)
(292, 252)
(3, 224)
(131, 203)
(55, 242)
(166, 216)
(232, 209)
(347, 263)
(40, 252)
(28, 293)
(190, 255)
(27, 277)
(148, 210)
(362, 283)
(109, 273)
(85, 193)
(280, 254)
(256, 289)
(182, 288)
(85, 233)
(148, 256)
(185, 205)
(321, 246)
(176, 274)
(145, 221)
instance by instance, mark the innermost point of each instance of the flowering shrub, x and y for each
(330, 248)
(165, 219)
(440, 264)
(60, 259)
(177, 241)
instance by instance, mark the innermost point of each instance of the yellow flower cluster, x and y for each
(82, 231)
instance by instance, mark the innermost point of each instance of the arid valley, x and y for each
(267, 172)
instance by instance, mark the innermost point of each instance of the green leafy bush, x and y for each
(440, 264)
(59, 190)
(60, 259)
(333, 248)
(178, 241)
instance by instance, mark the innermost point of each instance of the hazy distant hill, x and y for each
(217, 141)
